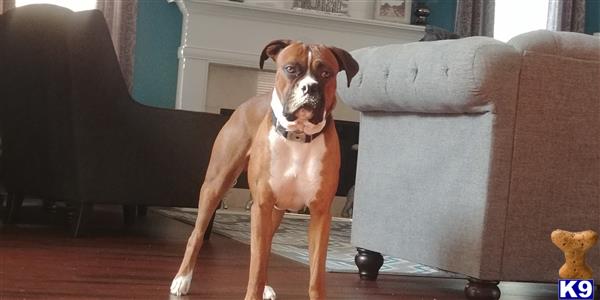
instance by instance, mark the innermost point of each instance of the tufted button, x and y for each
(386, 73)
(414, 72)
(445, 70)
(360, 78)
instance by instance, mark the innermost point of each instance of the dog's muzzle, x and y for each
(310, 109)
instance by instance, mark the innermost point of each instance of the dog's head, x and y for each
(306, 77)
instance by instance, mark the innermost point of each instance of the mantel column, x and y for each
(192, 72)
(193, 75)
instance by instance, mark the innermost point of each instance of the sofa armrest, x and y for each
(173, 152)
(449, 76)
(567, 44)
(136, 154)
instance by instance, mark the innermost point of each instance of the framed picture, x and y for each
(338, 7)
(398, 11)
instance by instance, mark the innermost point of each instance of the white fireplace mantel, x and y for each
(232, 33)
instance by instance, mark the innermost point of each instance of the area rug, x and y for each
(290, 241)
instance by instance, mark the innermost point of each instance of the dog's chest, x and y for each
(295, 175)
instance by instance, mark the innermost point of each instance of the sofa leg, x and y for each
(79, 216)
(368, 263)
(482, 289)
(14, 201)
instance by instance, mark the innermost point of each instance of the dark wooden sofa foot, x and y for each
(368, 263)
(482, 289)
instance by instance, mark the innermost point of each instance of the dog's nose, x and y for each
(309, 88)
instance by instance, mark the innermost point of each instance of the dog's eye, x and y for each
(325, 74)
(290, 69)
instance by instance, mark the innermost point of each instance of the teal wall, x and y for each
(155, 67)
(592, 16)
(442, 13)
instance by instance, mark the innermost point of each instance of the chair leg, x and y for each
(482, 289)
(349, 205)
(80, 215)
(142, 210)
(49, 205)
(368, 263)
(129, 214)
(14, 202)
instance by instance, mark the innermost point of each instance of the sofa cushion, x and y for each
(568, 44)
(448, 76)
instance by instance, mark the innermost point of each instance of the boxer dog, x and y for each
(288, 143)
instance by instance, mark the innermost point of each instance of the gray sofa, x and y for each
(473, 151)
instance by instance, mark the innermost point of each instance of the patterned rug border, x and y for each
(290, 242)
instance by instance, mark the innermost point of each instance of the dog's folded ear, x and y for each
(346, 62)
(272, 49)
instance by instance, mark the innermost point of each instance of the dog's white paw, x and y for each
(269, 293)
(181, 285)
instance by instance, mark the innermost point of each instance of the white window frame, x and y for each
(514, 17)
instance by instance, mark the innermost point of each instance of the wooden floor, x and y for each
(38, 260)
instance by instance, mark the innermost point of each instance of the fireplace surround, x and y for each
(233, 34)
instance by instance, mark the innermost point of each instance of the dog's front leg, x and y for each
(318, 238)
(228, 159)
(260, 244)
(210, 194)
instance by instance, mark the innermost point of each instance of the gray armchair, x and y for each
(473, 151)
